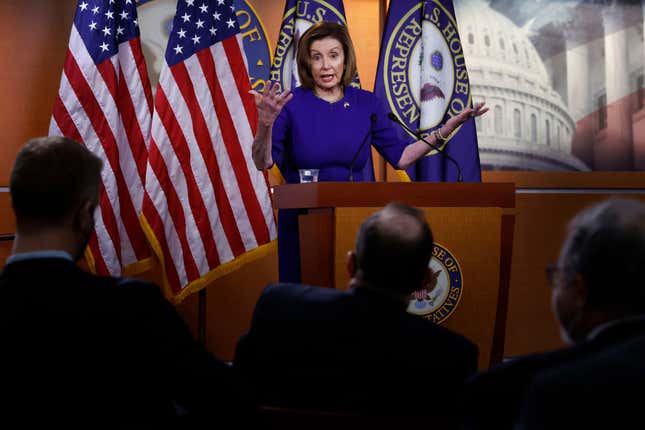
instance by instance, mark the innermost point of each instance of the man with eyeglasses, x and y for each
(598, 299)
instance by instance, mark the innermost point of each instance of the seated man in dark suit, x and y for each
(359, 350)
(83, 350)
(598, 298)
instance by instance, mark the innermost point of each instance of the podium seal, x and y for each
(424, 71)
(440, 302)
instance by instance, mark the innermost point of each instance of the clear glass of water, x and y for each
(308, 175)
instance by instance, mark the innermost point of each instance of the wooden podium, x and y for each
(473, 228)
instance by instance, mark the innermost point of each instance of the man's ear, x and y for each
(579, 289)
(434, 278)
(84, 216)
(430, 279)
(351, 264)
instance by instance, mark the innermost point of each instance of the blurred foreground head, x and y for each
(600, 275)
(393, 250)
(54, 187)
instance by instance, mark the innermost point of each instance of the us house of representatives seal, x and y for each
(425, 76)
(440, 302)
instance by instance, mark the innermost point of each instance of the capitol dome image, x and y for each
(528, 126)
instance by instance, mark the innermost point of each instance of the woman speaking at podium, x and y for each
(328, 125)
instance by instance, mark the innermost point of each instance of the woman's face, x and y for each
(327, 63)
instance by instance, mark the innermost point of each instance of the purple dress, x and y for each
(313, 133)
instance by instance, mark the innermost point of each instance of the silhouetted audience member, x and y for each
(83, 350)
(598, 298)
(359, 350)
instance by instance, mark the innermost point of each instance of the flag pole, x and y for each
(201, 316)
(382, 13)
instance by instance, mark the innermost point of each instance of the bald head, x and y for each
(393, 249)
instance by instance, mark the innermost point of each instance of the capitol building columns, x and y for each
(579, 92)
(639, 115)
(566, 90)
(529, 126)
(614, 146)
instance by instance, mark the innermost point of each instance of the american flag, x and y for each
(207, 209)
(105, 102)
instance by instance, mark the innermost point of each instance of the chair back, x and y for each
(297, 419)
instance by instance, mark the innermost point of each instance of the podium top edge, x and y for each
(375, 194)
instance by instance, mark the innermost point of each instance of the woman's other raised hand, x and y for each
(270, 102)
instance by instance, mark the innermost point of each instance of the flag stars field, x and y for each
(220, 22)
(113, 20)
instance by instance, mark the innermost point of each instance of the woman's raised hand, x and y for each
(270, 102)
(269, 105)
(457, 120)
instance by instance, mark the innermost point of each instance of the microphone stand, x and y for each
(369, 132)
(396, 119)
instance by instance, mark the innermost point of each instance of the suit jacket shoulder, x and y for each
(597, 390)
(355, 349)
(297, 302)
(494, 397)
(116, 345)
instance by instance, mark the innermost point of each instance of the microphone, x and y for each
(396, 119)
(369, 132)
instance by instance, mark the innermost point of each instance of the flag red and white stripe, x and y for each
(105, 103)
(206, 205)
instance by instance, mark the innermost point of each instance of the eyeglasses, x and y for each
(553, 273)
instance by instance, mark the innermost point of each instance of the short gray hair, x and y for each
(606, 247)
